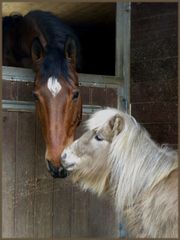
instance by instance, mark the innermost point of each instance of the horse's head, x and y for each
(58, 99)
(41, 40)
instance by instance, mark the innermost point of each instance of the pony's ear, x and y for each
(71, 50)
(37, 51)
(116, 124)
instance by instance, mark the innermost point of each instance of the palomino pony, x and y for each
(117, 156)
(39, 40)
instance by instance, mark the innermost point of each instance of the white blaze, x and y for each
(54, 86)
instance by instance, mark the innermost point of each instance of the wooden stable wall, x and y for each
(34, 204)
(154, 77)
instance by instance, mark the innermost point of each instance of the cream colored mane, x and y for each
(130, 166)
(135, 161)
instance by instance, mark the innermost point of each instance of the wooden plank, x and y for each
(99, 96)
(105, 97)
(85, 94)
(43, 203)
(8, 173)
(155, 112)
(111, 97)
(103, 220)
(154, 91)
(25, 91)
(62, 208)
(88, 80)
(25, 157)
(9, 90)
(79, 213)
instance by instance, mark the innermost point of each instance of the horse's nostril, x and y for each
(56, 172)
(64, 156)
(52, 168)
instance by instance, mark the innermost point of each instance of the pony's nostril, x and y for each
(64, 156)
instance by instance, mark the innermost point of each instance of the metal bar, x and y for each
(24, 106)
(122, 67)
(87, 80)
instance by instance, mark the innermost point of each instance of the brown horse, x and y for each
(41, 41)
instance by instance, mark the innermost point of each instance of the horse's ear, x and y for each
(37, 51)
(116, 124)
(71, 50)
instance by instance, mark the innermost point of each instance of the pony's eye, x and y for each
(75, 95)
(98, 138)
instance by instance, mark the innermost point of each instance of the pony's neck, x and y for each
(95, 180)
(137, 164)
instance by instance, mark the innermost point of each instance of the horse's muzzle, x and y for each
(56, 172)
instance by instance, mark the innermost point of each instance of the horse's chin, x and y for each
(63, 173)
(57, 172)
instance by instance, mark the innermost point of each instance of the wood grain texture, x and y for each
(79, 213)
(9, 90)
(24, 192)
(62, 206)
(9, 126)
(43, 192)
(103, 220)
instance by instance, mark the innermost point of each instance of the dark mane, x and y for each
(56, 33)
(53, 30)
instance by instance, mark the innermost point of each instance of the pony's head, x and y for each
(117, 154)
(87, 157)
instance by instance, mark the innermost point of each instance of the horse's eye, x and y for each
(98, 138)
(75, 95)
(35, 96)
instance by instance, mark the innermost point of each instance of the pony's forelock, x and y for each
(99, 118)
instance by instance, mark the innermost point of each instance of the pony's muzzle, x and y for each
(63, 157)
(63, 160)
(56, 172)
(69, 166)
